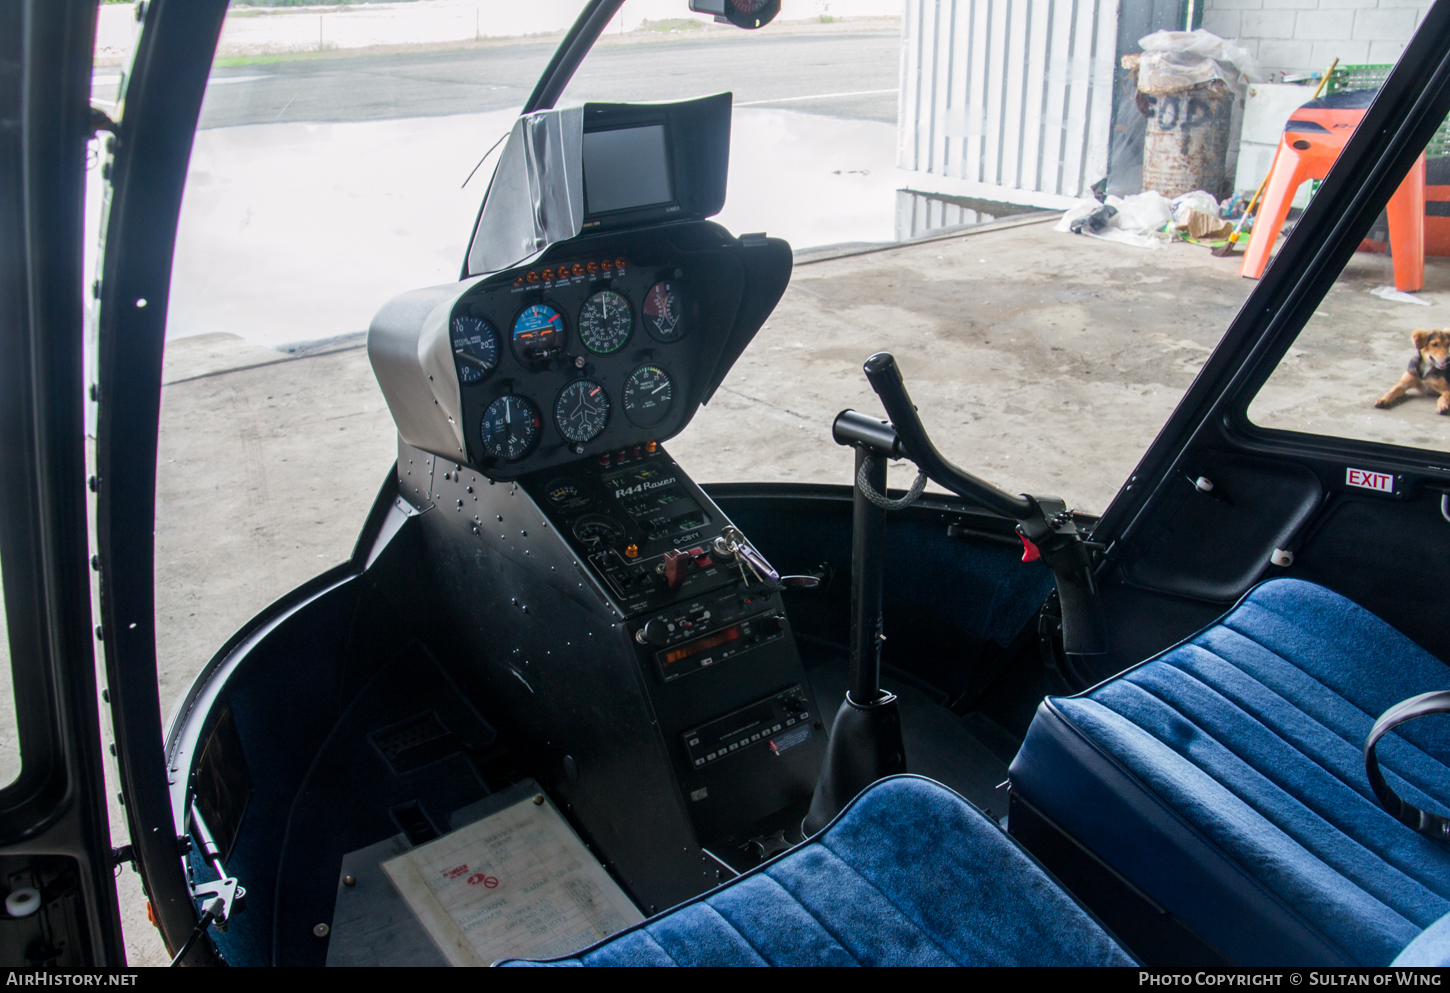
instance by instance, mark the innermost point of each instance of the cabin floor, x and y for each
(1045, 362)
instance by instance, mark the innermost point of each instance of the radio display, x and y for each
(693, 648)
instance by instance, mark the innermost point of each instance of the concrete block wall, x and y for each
(1302, 36)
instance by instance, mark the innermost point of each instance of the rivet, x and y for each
(538, 799)
(349, 880)
(321, 930)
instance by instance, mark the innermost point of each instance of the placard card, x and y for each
(516, 884)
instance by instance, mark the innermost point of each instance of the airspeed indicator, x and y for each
(605, 322)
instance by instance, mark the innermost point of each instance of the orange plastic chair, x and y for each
(1313, 138)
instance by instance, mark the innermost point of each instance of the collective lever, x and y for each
(1044, 523)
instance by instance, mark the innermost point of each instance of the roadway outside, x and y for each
(322, 187)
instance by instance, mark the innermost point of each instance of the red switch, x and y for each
(1030, 552)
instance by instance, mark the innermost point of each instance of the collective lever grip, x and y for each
(885, 378)
(1045, 523)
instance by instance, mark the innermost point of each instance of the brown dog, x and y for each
(1426, 371)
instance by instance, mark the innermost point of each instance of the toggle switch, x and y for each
(674, 563)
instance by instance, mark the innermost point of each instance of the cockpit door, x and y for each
(56, 862)
(1219, 501)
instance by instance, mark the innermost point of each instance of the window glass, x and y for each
(332, 169)
(1371, 363)
(919, 157)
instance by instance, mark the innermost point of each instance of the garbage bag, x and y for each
(1178, 60)
(1199, 200)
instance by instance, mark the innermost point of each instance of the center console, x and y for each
(710, 636)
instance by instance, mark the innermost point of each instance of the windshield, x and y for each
(993, 192)
(333, 168)
(812, 156)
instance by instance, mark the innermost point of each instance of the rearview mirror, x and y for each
(741, 13)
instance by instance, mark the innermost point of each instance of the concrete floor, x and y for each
(1042, 361)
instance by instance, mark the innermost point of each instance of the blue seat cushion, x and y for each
(1225, 779)
(908, 874)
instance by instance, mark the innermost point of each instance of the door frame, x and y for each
(56, 806)
(159, 103)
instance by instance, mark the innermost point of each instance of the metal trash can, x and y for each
(1187, 139)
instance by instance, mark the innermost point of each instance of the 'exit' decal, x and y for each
(1366, 480)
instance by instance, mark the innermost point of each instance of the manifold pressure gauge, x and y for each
(648, 393)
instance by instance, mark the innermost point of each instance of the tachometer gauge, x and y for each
(662, 306)
(510, 428)
(605, 322)
(567, 495)
(475, 349)
(582, 411)
(595, 531)
(647, 396)
(539, 334)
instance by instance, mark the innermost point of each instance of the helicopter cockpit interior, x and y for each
(554, 618)
(567, 703)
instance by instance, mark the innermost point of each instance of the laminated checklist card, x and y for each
(517, 883)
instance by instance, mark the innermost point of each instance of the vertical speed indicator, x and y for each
(475, 348)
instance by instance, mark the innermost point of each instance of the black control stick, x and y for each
(1044, 522)
(865, 742)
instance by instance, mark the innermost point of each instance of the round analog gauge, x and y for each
(475, 349)
(567, 495)
(510, 428)
(595, 531)
(662, 315)
(647, 396)
(582, 411)
(539, 334)
(605, 322)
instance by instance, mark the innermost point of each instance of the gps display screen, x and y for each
(626, 168)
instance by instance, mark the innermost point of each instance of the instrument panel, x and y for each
(604, 343)
(575, 356)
